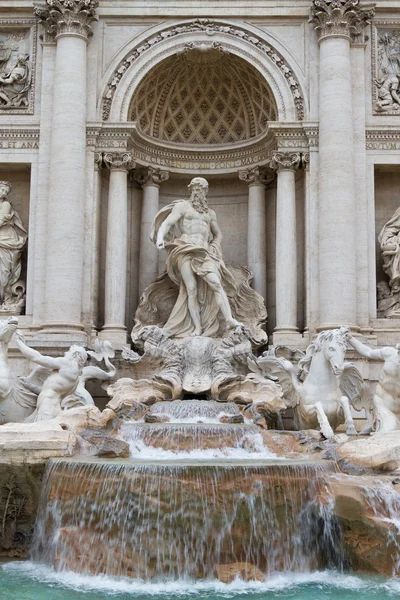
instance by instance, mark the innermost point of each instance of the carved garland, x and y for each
(210, 27)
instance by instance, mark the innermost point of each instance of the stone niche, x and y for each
(387, 201)
(19, 175)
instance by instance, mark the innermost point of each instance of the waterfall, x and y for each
(194, 411)
(188, 520)
(188, 440)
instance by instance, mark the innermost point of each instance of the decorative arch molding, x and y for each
(137, 62)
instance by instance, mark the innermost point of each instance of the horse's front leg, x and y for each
(348, 417)
(324, 424)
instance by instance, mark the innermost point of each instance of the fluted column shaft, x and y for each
(335, 23)
(286, 242)
(256, 227)
(148, 257)
(117, 247)
(70, 23)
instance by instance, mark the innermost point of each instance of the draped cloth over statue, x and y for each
(13, 237)
(203, 261)
(389, 240)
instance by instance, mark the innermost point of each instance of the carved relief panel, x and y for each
(17, 66)
(386, 68)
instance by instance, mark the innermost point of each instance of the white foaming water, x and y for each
(194, 441)
(195, 411)
(280, 582)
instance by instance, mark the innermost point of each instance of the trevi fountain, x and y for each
(199, 299)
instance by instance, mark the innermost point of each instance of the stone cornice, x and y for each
(19, 138)
(67, 17)
(343, 18)
(210, 27)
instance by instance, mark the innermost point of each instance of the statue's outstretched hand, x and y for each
(160, 244)
(20, 336)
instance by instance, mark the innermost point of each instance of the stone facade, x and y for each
(290, 110)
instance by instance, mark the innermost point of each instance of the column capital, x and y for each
(119, 161)
(257, 176)
(98, 161)
(285, 161)
(341, 18)
(67, 17)
(150, 176)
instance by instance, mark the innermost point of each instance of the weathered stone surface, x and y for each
(86, 417)
(36, 442)
(380, 453)
(105, 445)
(368, 533)
(19, 497)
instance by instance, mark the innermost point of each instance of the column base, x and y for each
(289, 337)
(325, 326)
(65, 333)
(117, 336)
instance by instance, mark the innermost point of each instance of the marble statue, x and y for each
(322, 386)
(197, 295)
(13, 236)
(189, 231)
(15, 84)
(65, 378)
(17, 399)
(216, 368)
(386, 398)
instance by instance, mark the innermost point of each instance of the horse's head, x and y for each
(334, 348)
(332, 345)
(7, 328)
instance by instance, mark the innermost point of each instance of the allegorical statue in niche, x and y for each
(13, 236)
(189, 231)
(389, 240)
(15, 84)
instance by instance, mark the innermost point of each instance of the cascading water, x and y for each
(184, 521)
(187, 440)
(195, 411)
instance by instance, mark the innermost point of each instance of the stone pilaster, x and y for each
(336, 23)
(114, 329)
(286, 164)
(69, 22)
(257, 178)
(150, 179)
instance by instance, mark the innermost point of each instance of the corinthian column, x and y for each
(148, 258)
(286, 164)
(69, 21)
(335, 22)
(114, 328)
(257, 179)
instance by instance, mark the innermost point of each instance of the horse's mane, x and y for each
(316, 346)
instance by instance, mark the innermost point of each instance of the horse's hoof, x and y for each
(351, 431)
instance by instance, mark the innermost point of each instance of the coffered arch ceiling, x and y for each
(203, 97)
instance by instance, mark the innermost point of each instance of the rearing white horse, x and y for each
(322, 386)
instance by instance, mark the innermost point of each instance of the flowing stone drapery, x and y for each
(257, 179)
(150, 180)
(69, 21)
(114, 328)
(336, 22)
(286, 164)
